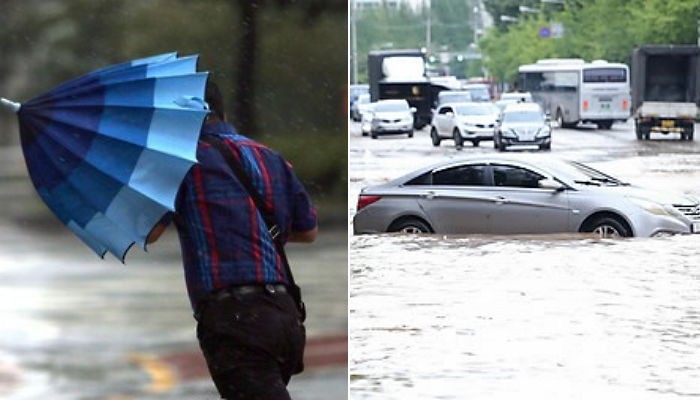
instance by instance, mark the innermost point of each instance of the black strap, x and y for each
(267, 216)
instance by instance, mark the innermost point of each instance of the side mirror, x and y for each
(413, 109)
(551, 184)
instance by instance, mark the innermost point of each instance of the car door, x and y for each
(521, 206)
(444, 121)
(456, 202)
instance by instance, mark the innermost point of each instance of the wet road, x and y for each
(76, 327)
(550, 317)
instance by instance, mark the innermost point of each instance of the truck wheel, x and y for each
(688, 132)
(434, 137)
(459, 142)
(605, 124)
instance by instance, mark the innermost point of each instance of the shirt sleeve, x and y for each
(304, 217)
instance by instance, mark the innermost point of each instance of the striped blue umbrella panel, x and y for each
(108, 151)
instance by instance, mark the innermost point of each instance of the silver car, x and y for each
(462, 122)
(391, 117)
(523, 124)
(521, 194)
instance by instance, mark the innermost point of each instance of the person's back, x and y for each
(250, 328)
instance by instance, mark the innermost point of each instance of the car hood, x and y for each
(522, 126)
(661, 197)
(391, 115)
(478, 119)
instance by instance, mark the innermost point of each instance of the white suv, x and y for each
(472, 122)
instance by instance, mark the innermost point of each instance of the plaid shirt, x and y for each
(223, 237)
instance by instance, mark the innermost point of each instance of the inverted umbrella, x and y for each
(107, 151)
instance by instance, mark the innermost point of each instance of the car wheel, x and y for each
(607, 228)
(475, 143)
(410, 134)
(373, 135)
(434, 137)
(501, 146)
(546, 147)
(410, 225)
(459, 142)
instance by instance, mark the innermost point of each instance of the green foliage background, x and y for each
(594, 29)
(301, 66)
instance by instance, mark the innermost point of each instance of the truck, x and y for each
(400, 74)
(665, 82)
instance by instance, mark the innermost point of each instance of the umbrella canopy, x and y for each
(107, 151)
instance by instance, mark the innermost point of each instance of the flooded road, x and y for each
(79, 328)
(550, 317)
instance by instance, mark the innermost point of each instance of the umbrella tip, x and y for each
(10, 104)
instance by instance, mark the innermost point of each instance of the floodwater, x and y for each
(565, 317)
(517, 317)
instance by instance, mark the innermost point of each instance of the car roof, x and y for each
(520, 106)
(390, 101)
(538, 162)
(515, 95)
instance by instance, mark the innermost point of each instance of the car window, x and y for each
(510, 176)
(464, 175)
(391, 107)
(445, 110)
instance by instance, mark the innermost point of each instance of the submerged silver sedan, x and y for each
(521, 194)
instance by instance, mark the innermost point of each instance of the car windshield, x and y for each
(480, 94)
(523, 116)
(475, 109)
(390, 107)
(583, 174)
(455, 98)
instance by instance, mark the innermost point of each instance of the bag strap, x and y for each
(272, 227)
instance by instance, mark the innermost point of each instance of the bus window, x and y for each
(530, 81)
(560, 81)
(601, 75)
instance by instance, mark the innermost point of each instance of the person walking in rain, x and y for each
(250, 327)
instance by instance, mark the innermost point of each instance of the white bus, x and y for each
(573, 91)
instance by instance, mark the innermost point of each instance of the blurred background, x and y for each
(78, 327)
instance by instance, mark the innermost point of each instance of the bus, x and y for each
(573, 91)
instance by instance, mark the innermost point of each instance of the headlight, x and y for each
(544, 132)
(656, 208)
(509, 133)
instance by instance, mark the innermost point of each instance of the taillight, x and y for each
(625, 104)
(365, 200)
(585, 105)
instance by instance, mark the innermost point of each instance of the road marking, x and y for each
(163, 377)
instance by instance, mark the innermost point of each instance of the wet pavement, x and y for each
(77, 327)
(547, 316)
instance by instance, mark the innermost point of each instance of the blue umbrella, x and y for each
(107, 151)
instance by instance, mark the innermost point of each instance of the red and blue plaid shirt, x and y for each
(223, 237)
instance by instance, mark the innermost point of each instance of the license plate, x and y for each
(668, 123)
(695, 227)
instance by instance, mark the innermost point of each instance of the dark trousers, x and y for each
(253, 343)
